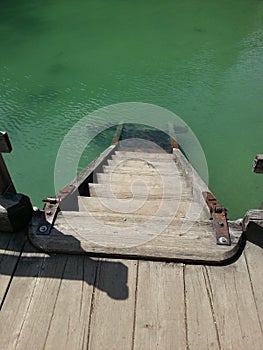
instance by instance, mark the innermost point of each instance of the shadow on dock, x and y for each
(18, 258)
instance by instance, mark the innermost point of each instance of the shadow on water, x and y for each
(57, 69)
(107, 276)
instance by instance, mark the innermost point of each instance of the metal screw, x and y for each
(43, 229)
(220, 223)
(223, 240)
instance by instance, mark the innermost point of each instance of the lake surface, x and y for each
(203, 60)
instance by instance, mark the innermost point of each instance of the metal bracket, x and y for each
(51, 210)
(219, 217)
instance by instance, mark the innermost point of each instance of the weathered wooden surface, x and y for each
(75, 302)
(160, 310)
(253, 226)
(143, 205)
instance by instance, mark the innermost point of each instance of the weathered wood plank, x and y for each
(160, 307)
(254, 262)
(133, 190)
(97, 238)
(258, 164)
(112, 319)
(37, 300)
(114, 161)
(129, 178)
(202, 332)
(233, 306)
(69, 326)
(11, 246)
(142, 170)
(19, 297)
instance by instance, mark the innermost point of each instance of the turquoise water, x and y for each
(203, 60)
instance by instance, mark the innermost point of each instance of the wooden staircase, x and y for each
(141, 204)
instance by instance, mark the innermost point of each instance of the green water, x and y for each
(203, 60)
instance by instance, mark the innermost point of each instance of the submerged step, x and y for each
(133, 162)
(143, 155)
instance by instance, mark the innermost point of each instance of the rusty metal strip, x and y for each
(171, 132)
(51, 210)
(117, 134)
(219, 217)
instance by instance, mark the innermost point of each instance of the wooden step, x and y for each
(132, 162)
(86, 234)
(131, 220)
(114, 190)
(152, 206)
(141, 170)
(143, 155)
(149, 179)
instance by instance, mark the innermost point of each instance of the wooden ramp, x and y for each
(142, 204)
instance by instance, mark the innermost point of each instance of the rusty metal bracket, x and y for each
(219, 217)
(51, 210)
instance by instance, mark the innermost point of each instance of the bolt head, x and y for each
(223, 240)
(220, 223)
(43, 228)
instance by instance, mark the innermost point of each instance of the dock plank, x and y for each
(160, 307)
(202, 330)
(40, 308)
(19, 297)
(254, 261)
(112, 315)
(69, 326)
(233, 305)
(11, 245)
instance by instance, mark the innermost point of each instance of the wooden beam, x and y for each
(6, 183)
(253, 226)
(5, 145)
(258, 164)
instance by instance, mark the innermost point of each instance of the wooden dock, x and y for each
(51, 301)
(127, 298)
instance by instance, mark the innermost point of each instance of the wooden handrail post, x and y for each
(6, 183)
(258, 164)
(15, 209)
